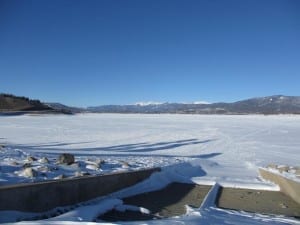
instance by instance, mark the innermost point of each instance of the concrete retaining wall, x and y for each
(43, 196)
(287, 186)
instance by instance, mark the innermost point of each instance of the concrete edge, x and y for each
(72, 179)
(287, 186)
(43, 196)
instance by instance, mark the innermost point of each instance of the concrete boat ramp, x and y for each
(173, 199)
(168, 202)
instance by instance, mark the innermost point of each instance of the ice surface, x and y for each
(189, 148)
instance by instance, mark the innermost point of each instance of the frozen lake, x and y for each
(236, 139)
(227, 149)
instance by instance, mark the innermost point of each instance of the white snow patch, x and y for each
(88, 213)
(148, 103)
(201, 103)
(123, 208)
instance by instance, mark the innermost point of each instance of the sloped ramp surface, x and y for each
(258, 201)
(167, 202)
(171, 201)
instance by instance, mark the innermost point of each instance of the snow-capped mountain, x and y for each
(148, 103)
(276, 104)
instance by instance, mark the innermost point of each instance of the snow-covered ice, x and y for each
(204, 149)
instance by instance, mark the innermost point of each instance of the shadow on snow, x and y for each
(137, 149)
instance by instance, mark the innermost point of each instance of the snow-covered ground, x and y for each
(189, 148)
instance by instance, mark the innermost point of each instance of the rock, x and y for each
(14, 163)
(29, 172)
(100, 162)
(44, 160)
(43, 169)
(62, 176)
(282, 169)
(93, 167)
(86, 173)
(26, 165)
(96, 164)
(125, 165)
(44, 174)
(80, 174)
(66, 158)
(75, 165)
(272, 166)
(31, 159)
(53, 168)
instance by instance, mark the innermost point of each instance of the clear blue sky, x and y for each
(83, 53)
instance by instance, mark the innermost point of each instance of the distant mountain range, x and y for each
(276, 104)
